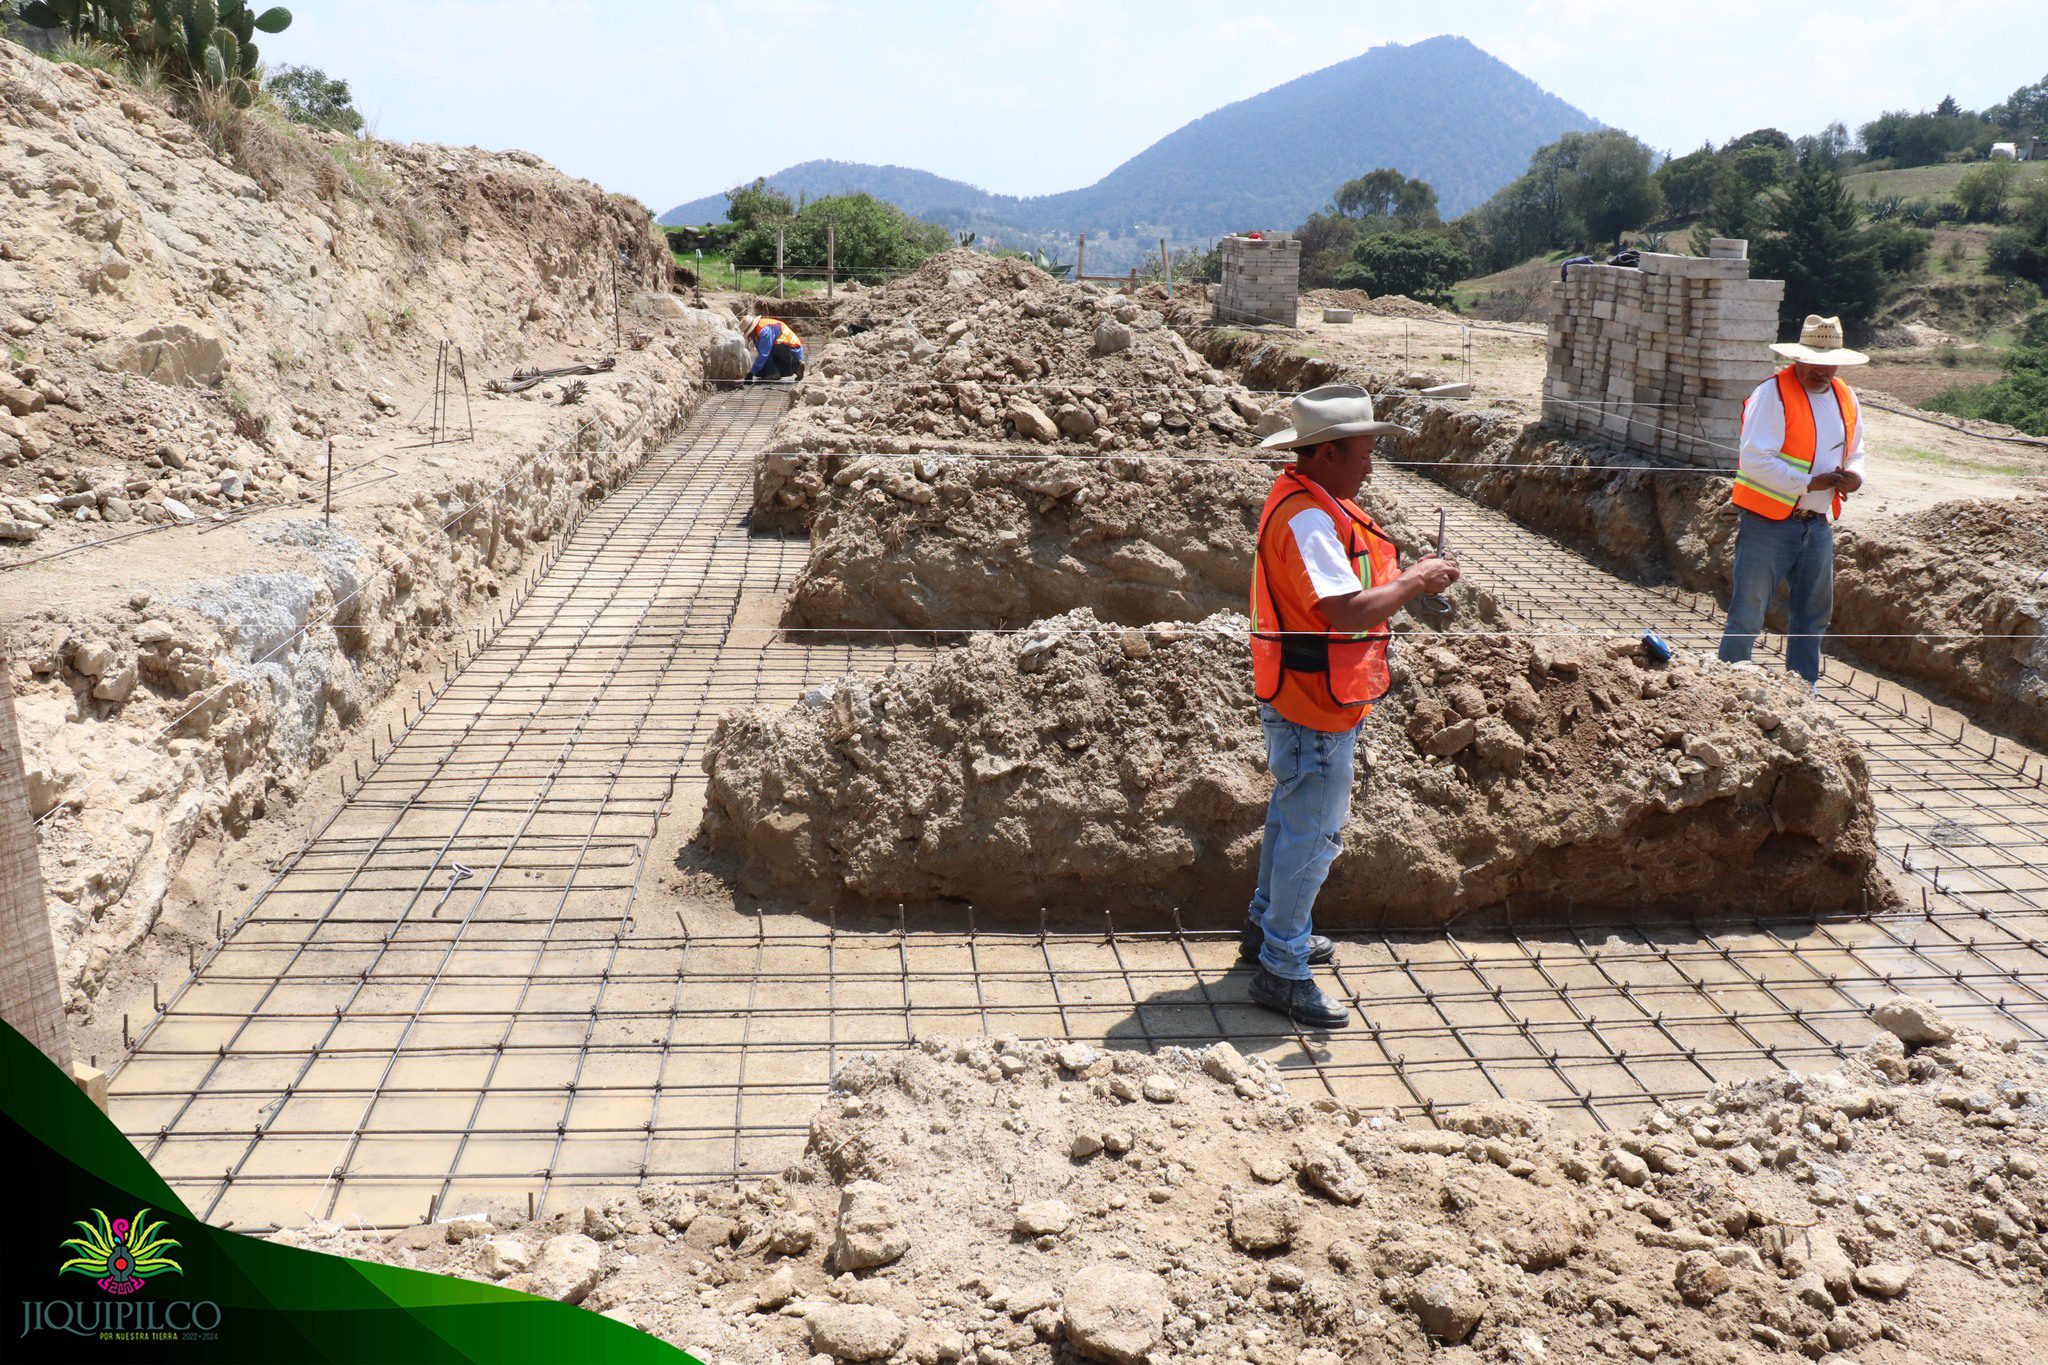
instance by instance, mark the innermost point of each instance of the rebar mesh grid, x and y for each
(447, 999)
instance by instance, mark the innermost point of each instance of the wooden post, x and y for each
(327, 508)
(831, 258)
(30, 998)
(1166, 266)
(778, 262)
(1081, 259)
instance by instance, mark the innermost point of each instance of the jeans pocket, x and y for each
(1283, 748)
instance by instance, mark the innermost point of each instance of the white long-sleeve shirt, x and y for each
(1762, 453)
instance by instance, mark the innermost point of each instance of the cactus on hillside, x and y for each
(203, 44)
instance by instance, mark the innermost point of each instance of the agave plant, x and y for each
(204, 43)
(121, 1254)
(1050, 266)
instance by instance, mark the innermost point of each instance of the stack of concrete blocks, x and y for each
(1659, 358)
(1261, 281)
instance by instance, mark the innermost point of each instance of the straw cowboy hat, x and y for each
(1820, 343)
(1330, 413)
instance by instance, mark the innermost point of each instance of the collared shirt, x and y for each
(1762, 454)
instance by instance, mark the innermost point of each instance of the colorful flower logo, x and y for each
(121, 1254)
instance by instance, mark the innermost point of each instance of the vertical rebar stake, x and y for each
(327, 510)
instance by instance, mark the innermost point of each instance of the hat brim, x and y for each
(1288, 438)
(1841, 355)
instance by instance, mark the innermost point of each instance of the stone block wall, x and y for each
(1660, 358)
(1261, 281)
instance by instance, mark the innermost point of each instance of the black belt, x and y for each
(1804, 515)
(1305, 653)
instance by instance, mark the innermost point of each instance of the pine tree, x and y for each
(1817, 244)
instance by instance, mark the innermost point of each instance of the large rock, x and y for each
(567, 1268)
(1114, 1313)
(870, 1227)
(1031, 422)
(1092, 768)
(854, 1331)
(1448, 1301)
(178, 353)
(726, 358)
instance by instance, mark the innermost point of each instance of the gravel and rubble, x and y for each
(1079, 765)
(996, 1200)
(952, 543)
(986, 353)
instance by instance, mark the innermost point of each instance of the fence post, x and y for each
(1081, 259)
(30, 998)
(831, 258)
(1166, 266)
(778, 262)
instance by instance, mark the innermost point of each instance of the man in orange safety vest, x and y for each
(1801, 455)
(1325, 581)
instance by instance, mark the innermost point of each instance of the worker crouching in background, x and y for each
(1325, 581)
(778, 350)
(1801, 456)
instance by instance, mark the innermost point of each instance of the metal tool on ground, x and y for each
(1436, 603)
(522, 380)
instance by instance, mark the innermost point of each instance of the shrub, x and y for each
(2019, 398)
(1422, 265)
(1982, 193)
(309, 95)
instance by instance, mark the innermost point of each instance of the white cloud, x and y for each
(669, 101)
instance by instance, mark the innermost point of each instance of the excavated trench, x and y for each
(500, 973)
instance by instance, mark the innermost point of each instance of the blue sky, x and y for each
(667, 101)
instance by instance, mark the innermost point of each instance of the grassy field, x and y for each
(718, 273)
(1928, 182)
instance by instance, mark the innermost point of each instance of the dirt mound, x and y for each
(982, 352)
(1081, 766)
(938, 542)
(1002, 1200)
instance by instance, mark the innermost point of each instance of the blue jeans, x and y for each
(1798, 553)
(1304, 828)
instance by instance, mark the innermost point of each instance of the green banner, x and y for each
(103, 1262)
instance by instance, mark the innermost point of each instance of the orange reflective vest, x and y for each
(1752, 496)
(788, 336)
(1310, 673)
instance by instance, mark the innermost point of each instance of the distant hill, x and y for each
(1441, 110)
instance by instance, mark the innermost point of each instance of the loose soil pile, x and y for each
(941, 543)
(981, 352)
(1005, 1201)
(1082, 766)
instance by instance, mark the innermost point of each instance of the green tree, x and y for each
(1737, 210)
(309, 95)
(747, 206)
(1983, 192)
(2020, 396)
(2025, 111)
(1422, 265)
(1948, 108)
(1816, 243)
(869, 235)
(2021, 250)
(1388, 198)
(1687, 182)
(1610, 190)
(1917, 139)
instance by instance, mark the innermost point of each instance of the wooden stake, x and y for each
(831, 257)
(778, 262)
(1166, 266)
(1081, 259)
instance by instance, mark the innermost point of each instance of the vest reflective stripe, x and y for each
(787, 337)
(1800, 440)
(1352, 668)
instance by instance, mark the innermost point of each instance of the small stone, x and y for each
(1084, 1146)
(1115, 1313)
(595, 1224)
(1225, 1063)
(1161, 1088)
(1031, 422)
(1627, 1167)
(1330, 1169)
(1269, 1169)
(870, 1227)
(1076, 1056)
(1448, 1301)
(1886, 1279)
(710, 1231)
(854, 1331)
(1043, 1216)
(774, 1291)
(567, 1269)
(467, 1229)
(792, 1234)
(1264, 1220)
(503, 1256)
(1700, 1279)
(1913, 1022)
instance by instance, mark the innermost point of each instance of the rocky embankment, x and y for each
(1082, 766)
(998, 1200)
(185, 330)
